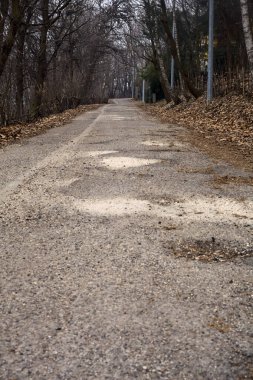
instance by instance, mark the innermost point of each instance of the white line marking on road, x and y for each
(65, 151)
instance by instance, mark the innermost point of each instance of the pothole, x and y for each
(217, 209)
(127, 162)
(101, 142)
(96, 153)
(171, 144)
(209, 251)
(116, 118)
(203, 170)
(156, 143)
(165, 200)
(232, 180)
(66, 182)
(112, 206)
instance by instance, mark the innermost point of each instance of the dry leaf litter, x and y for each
(227, 122)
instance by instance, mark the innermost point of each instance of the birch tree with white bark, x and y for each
(248, 35)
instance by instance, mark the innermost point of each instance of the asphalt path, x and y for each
(122, 255)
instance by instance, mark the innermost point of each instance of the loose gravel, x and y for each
(109, 231)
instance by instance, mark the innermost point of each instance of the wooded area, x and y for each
(58, 54)
(189, 46)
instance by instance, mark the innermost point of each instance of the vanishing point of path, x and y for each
(97, 219)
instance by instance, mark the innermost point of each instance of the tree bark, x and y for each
(20, 64)
(42, 61)
(8, 42)
(168, 93)
(182, 82)
(248, 36)
(20, 73)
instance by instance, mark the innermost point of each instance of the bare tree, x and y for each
(49, 18)
(11, 15)
(248, 36)
(55, 54)
(174, 51)
(151, 24)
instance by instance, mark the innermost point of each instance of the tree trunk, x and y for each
(8, 42)
(168, 93)
(182, 82)
(248, 37)
(20, 64)
(173, 49)
(88, 83)
(20, 73)
(41, 62)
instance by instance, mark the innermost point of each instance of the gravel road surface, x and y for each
(122, 255)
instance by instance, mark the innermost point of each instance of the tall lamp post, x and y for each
(210, 52)
(172, 68)
(133, 81)
(143, 90)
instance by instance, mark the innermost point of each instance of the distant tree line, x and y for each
(188, 45)
(57, 54)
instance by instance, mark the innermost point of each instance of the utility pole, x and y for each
(133, 82)
(210, 52)
(143, 90)
(172, 68)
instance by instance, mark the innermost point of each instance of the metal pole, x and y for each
(172, 68)
(133, 82)
(143, 90)
(210, 52)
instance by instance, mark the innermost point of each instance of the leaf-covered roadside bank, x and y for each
(13, 133)
(223, 128)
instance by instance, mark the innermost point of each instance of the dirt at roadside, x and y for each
(13, 133)
(224, 128)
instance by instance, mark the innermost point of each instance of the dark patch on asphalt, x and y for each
(233, 180)
(101, 142)
(209, 251)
